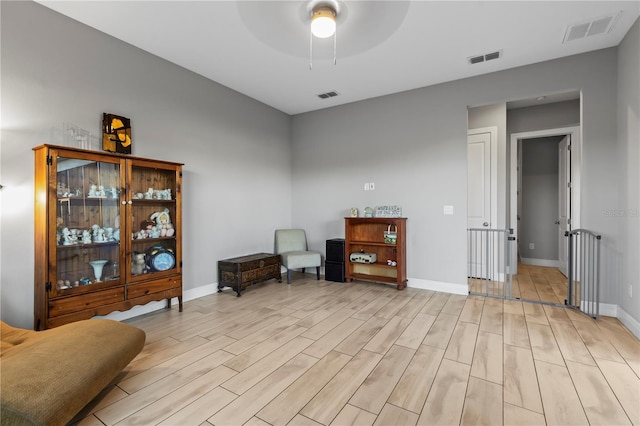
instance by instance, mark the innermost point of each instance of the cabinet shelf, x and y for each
(152, 240)
(88, 245)
(94, 200)
(151, 201)
(377, 265)
(371, 243)
(374, 278)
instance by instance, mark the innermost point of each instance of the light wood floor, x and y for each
(540, 283)
(532, 283)
(326, 353)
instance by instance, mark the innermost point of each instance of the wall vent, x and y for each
(328, 95)
(476, 59)
(590, 28)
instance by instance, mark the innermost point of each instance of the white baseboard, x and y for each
(438, 286)
(608, 310)
(630, 322)
(540, 262)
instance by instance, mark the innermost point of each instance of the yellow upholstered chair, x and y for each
(291, 244)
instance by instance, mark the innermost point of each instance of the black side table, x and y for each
(334, 261)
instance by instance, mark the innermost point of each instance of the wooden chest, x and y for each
(241, 272)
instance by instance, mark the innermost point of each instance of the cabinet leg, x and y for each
(179, 303)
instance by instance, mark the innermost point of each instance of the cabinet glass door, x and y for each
(154, 206)
(88, 235)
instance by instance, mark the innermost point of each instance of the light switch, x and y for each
(447, 209)
(366, 186)
(372, 186)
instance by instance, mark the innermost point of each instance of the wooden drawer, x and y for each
(150, 287)
(82, 302)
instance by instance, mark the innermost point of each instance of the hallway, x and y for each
(531, 283)
(540, 283)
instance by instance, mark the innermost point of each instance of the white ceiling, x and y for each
(261, 48)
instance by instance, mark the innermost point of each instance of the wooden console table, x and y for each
(241, 272)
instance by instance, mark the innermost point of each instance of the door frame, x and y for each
(564, 200)
(576, 163)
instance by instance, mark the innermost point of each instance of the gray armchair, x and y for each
(291, 244)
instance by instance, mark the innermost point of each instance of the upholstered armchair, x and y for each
(291, 244)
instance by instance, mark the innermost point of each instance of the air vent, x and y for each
(483, 58)
(590, 28)
(328, 95)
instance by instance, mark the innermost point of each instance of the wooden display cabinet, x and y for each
(367, 235)
(107, 233)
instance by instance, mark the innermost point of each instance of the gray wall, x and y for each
(542, 117)
(539, 198)
(626, 214)
(413, 145)
(237, 152)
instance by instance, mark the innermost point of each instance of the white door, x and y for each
(479, 180)
(564, 200)
(481, 195)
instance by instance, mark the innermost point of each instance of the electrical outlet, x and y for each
(532, 246)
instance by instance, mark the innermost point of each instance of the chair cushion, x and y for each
(290, 240)
(300, 259)
(49, 376)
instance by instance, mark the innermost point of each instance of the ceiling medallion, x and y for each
(285, 25)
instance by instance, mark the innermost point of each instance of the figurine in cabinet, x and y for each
(66, 237)
(108, 233)
(163, 221)
(138, 263)
(154, 233)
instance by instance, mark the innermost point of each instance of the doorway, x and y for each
(566, 211)
(515, 121)
(539, 201)
(545, 165)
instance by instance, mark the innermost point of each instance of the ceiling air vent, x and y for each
(483, 58)
(590, 28)
(328, 95)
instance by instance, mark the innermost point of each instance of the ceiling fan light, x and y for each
(323, 22)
